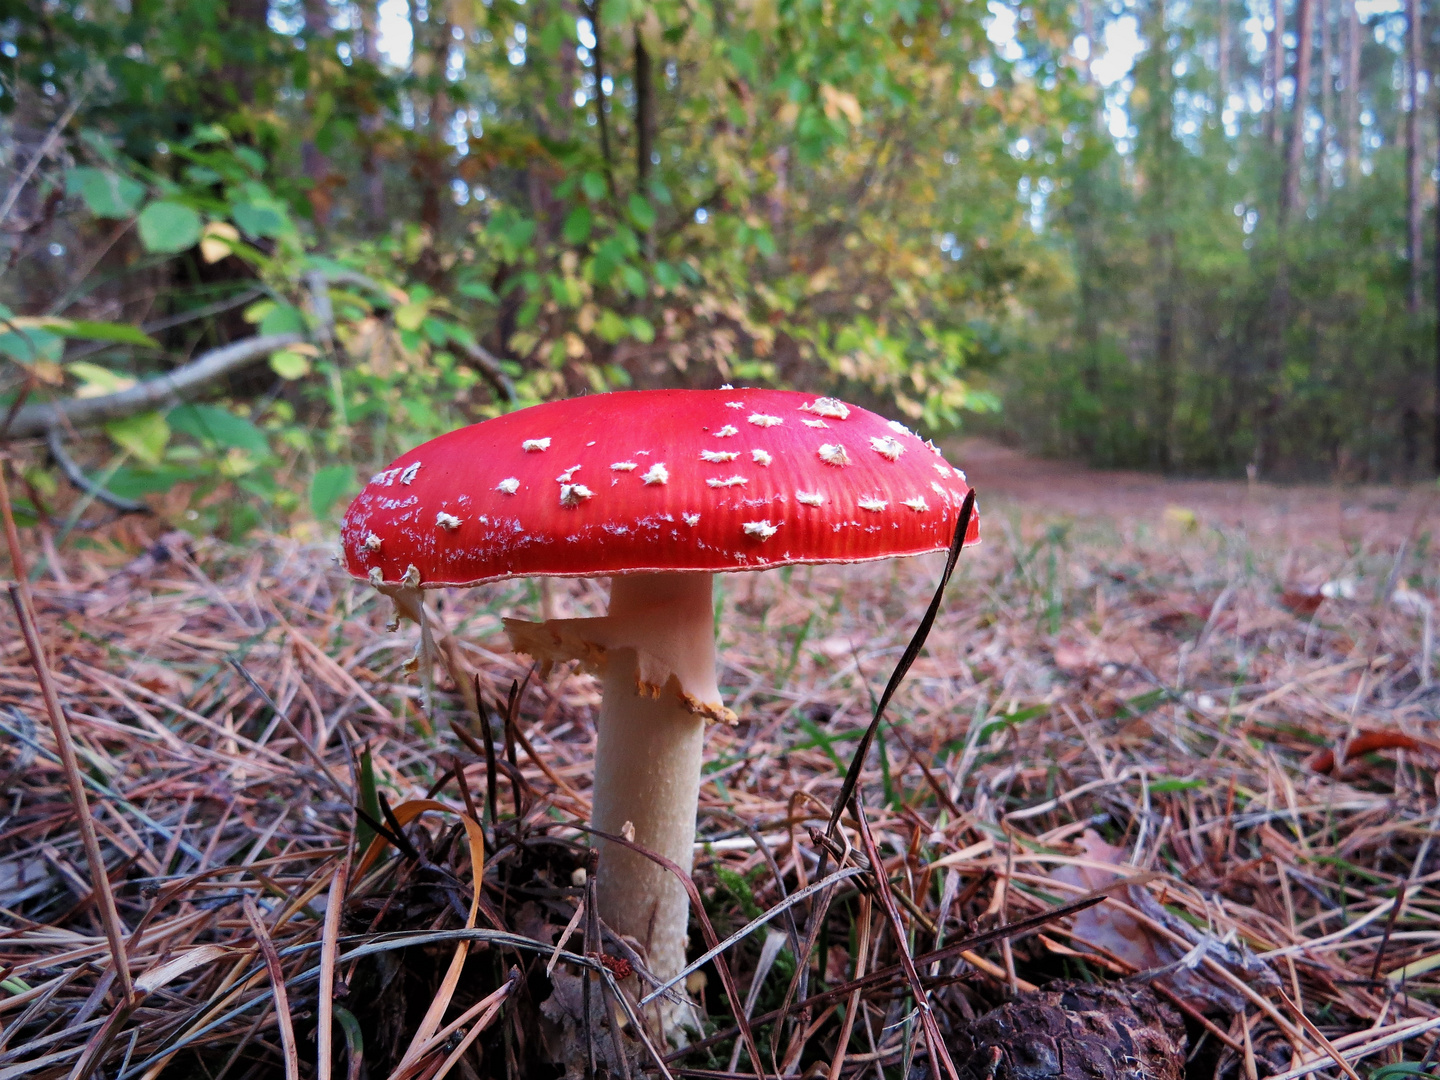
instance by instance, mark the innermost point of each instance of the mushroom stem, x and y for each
(647, 763)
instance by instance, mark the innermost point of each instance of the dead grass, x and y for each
(1182, 690)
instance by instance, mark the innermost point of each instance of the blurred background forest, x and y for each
(1189, 235)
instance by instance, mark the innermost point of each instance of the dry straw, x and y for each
(230, 737)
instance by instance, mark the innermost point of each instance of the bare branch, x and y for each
(76, 476)
(489, 367)
(36, 419)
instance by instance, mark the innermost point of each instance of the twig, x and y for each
(697, 905)
(902, 667)
(20, 598)
(54, 442)
(277, 982)
(51, 136)
(207, 368)
(750, 927)
(939, 1054)
(329, 948)
(893, 973)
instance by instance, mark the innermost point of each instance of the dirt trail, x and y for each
(1298, 513)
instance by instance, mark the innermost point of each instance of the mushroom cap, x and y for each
(650, 481)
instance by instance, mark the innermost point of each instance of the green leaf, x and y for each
(206, 134)
(31, 345)
(289, 365)
(577, 225)
(282, 319)
(634, 280)
(369, 800)
(133, 482)
(168, 227)
(552, 37)
(219, 426)
(145, 436)
(478, 290)
(106, 194)
(641, 330)
(641, 213)
(593, 184)
(98, 380)
(327, 486)
(258, 221)
(251, 159)
(120, 333)
(611, 327)
(410, 316)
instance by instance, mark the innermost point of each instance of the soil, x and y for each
(1343, 514)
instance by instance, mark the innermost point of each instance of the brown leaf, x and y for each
(1302, 603)
(1117, 931)
(1365, 742)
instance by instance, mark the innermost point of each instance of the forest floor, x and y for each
(1130, 678)
(1305, 514)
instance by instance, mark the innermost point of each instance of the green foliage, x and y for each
(489, 198)
(829, 201)
(328, 486)
(218, 427)
(1201, 336)
(106, 194)
(168, 227)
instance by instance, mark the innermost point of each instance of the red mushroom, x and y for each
(658, 490)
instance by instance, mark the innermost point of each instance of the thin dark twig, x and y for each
(886, 975)
(753, 925)
(591, 945)
(55, 443)
(934, 1044)
(310, 751)
(697, 905)
(488, 745)
(1389, 929)
(792, 930)
(917, 642)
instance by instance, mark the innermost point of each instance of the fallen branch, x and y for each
(484, 360)
(37, 419)
(76, 476)
(489, 368)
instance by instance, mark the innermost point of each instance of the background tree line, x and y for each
(1212, 258)
(1253, 284)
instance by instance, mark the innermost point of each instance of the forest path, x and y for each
(1295, 514)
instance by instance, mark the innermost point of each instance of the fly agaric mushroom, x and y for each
(657, 490)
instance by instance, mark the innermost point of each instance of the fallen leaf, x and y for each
(1128, 938)
(1365, 742)
(1302, 603)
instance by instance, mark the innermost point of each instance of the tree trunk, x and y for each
(1087, 27)
(1222, 64)
(371, 122)
(644, 112)
(1436, 403)
(1412, 152)
(1161, 241)
(602, 118)
(1352, 92)
(1275, 71)
(315, 163)
(1327, 87)
(1295, 152)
